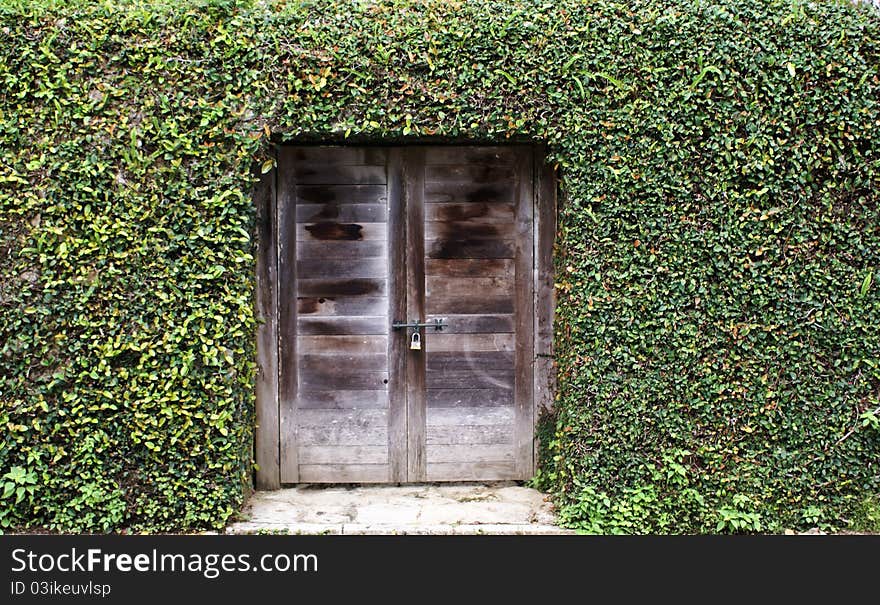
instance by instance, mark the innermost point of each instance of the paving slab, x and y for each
(425, 509)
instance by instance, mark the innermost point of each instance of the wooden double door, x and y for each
(370, 237)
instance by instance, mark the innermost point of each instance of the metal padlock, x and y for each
(416, 343)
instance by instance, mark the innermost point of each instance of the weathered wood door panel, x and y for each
(367, 237)
(333, 295)
(478, 278)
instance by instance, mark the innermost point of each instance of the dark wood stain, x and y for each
(470, 248)
(485, 194)
(317, 195)
(468, 231)
(336, 231)
(329, 212)
(307, 305)
(463, 212)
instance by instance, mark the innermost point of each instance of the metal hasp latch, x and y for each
(437, 324)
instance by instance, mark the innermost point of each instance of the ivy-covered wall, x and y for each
(719, 240)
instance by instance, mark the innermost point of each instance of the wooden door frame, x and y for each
(274, 256)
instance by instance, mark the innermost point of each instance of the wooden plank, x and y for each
(342, 287)
(337, 174)
(458, 155)
(469, 342)
(343, 213)
(320, 306)
(469, 231)
(476, 416)
(545, 293)
(346, 454)
(462, 360)
(334, 231)
(473, 471)
(343, 434)
(470, 267)
(341, 249)
(287, 383)
(470, 435)
(344, 473)
(342, 325)
(468, 286)
(414, 179)
(469, 173)
(352, 418)
(397, 291)
(474, 213)
(340, 156)
(337, 377)
(475, 324)
(342, 345)
(469, 397)
(360, 362)
(470, 248)
(469, 453)
(451, 303)
(342, 400)
(471, 193)
(477, 378)
(343, 427)
(342, 194)
(267, 444)
(336, 268)
(525, 316)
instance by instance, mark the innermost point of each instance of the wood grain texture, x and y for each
(470, 267)
(545, 293)
(471, 378)
(267, 438)
(470, 342)
(464, 156)
(287, 337)
(479, 434)
(346, 286)
(328, 326)
(473, 453)
(340, 399)
(414, 177)
(348, 250)
(343, 345)
(340, 156)
(469, 230)
(341, 194)
(335, 231)
(471, 193)
(344, 213)
(470, 214)
(324, 268)
(469, 173)
(471, 416)
(454, 247)
(471, 471)
(475, 324)
(525, 316)
(397, 310)
(343, 454)
(344, 473)
(332, 306)
(336, 174)
(469, 397)
(367, 236)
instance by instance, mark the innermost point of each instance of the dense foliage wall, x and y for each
(717, 253)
